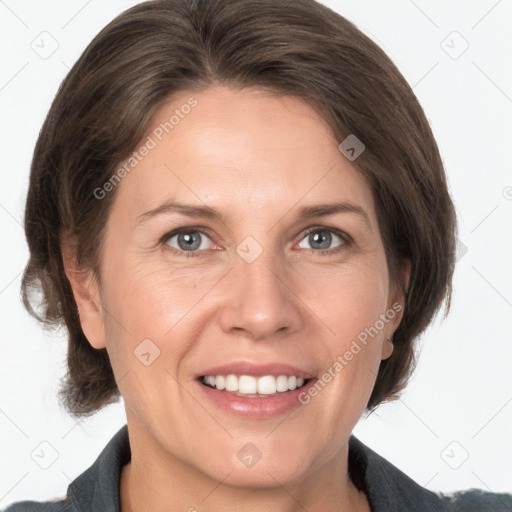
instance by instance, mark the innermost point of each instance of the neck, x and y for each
(152, 481)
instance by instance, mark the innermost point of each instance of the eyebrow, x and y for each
(306, 212)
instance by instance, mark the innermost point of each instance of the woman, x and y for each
(240, 213)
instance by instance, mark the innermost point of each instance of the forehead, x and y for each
(240, 149)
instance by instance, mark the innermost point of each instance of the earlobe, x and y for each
(387, 348)
(86, 293)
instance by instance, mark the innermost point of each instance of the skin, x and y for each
(256, 159)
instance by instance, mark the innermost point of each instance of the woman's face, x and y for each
(277, 271)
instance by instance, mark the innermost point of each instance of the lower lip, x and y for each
(258, 408)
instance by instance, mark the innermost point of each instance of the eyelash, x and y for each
(347, 240)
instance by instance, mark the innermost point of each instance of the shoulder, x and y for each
(37, 506)
(476, 500)
(388, 488)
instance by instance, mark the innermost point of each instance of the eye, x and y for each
(322, 239)
(190, 240)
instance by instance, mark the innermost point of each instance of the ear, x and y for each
(396, 307)
(86, 292)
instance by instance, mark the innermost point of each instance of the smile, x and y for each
(254, 387)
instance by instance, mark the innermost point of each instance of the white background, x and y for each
(459, 403)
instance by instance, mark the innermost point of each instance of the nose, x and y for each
(260, 302)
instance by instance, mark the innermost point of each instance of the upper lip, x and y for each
(255, 370)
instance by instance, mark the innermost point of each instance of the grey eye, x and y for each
(321, 239)
(189, 241)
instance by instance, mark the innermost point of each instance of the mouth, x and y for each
(249, 386)
(254, 390)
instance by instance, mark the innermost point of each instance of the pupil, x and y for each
(322, 238)
(189, 242)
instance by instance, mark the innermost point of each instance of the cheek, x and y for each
(350, 298)
(151, 298)
(351, 303)
(157, 310)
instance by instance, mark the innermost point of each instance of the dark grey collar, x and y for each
(97, 488)
(387, 488)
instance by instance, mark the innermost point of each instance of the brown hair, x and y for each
(301, 48)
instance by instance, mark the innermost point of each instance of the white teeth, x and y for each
(220, 382)
(249, 385)
(282, 383)
(231, 383)
(267, 385)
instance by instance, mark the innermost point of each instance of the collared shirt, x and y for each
(387, 488)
